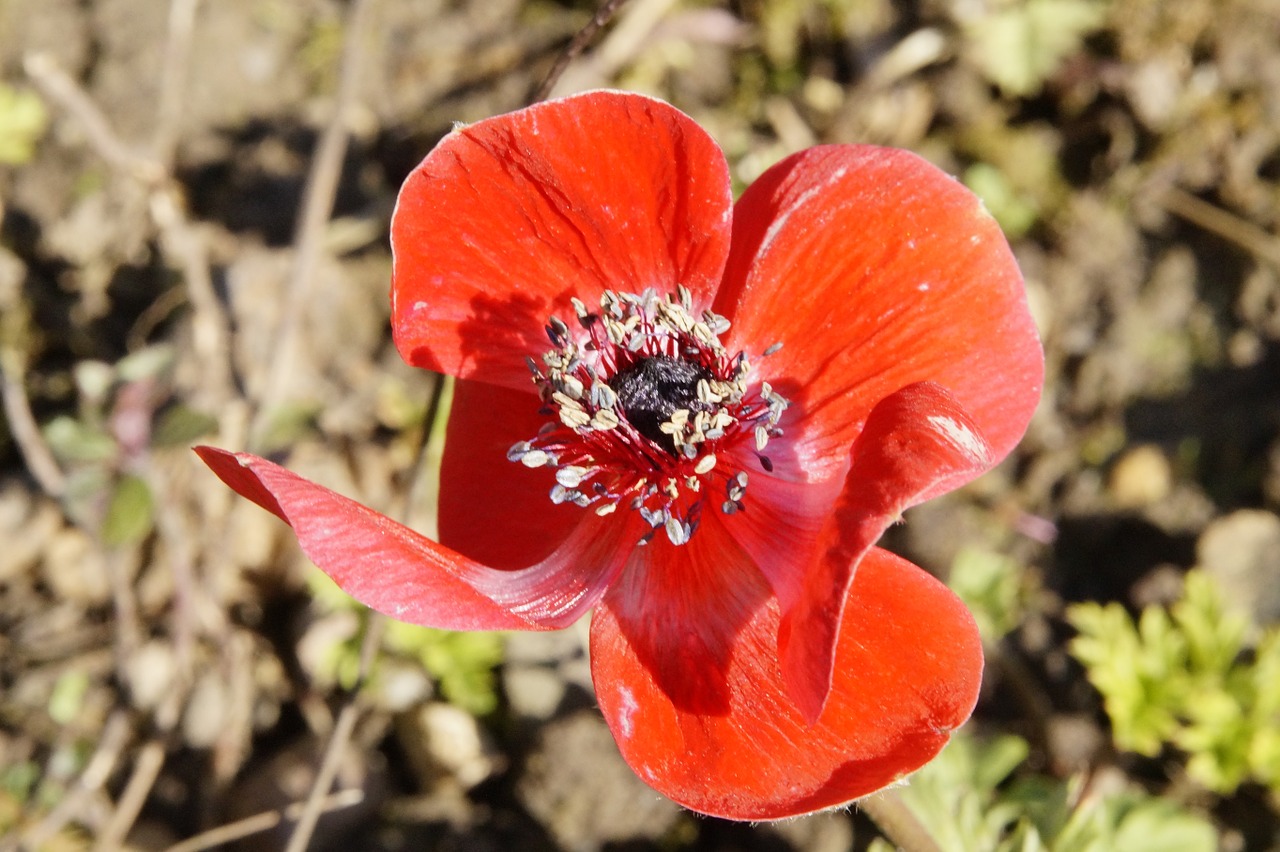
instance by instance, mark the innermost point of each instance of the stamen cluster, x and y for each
(646, 401)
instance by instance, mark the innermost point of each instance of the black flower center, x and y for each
(652, 389)
(651, 412)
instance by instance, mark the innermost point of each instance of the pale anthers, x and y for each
(601, 382)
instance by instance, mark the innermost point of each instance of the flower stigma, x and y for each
(647, 403)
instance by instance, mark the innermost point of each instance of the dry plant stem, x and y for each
(173, 80)
(1228, 226)
(22, 425)
(897, 823)
(146, 768)
(261, 822)
(317, 206)
(111, 743)
(603, 15)
(338, 740)
(60, 88)
(179, 239)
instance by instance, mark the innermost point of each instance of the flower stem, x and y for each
(897, 823)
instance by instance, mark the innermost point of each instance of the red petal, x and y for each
(908, 668)
(482, 492)
(917, 443)
(392, 569)
(681, 608)
(876, 270)
(507, 218)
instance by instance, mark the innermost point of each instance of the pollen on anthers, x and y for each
(644, 404)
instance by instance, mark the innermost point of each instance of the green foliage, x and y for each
(130, 512)
(67, 698)
(1014, 210)
(23, 119)
(969, 802)
(1179, 677)
(1022, 43)
(462, 663)
(180, 425)
(992, 586)
(106, 484)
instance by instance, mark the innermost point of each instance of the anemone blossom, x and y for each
(696, 417)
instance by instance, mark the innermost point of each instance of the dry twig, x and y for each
(264, 821)
(112, 742)
(338, 740)
(317, 206)
(1224, 224)
(22, 423)
(603, 15)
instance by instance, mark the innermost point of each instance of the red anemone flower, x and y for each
(697, 417)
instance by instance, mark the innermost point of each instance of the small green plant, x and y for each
(462, 663)
(1180, 677)
(23, 119)
(1020, 44)
(994, 587)
(969, 801)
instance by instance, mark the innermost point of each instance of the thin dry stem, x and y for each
(23, 427)
(317, 206)
(61, 89)
(338, 740)
(1223, 223)
(261, 822)
(173, 81)
(111, 743)
(603, 15)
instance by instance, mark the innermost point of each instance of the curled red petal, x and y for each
(482, 493)
(506, 219)
(908, 669)
(917, 443)
(681, 608)
(875, 270)
(387, 566)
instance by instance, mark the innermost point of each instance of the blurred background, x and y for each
(194, 201)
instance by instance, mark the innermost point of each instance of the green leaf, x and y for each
(1148, 824)
(1181, 677)
(286, 424)
(462, 662)
(74, 441)
(991, 585)
(67, 698)
(129, 514)
(180, 425)
(1022, 44)
(146, 363)
(1015, 211)
(23, 119)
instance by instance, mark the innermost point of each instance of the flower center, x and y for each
(646, 401)
(651, 390)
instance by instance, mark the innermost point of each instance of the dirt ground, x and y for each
(170, 270)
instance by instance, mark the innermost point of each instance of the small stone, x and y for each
(208, 711)
(1141, 477)
(150, 672)
(1242, 553)
(75, 569)
(441, 739)
(534, 692)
